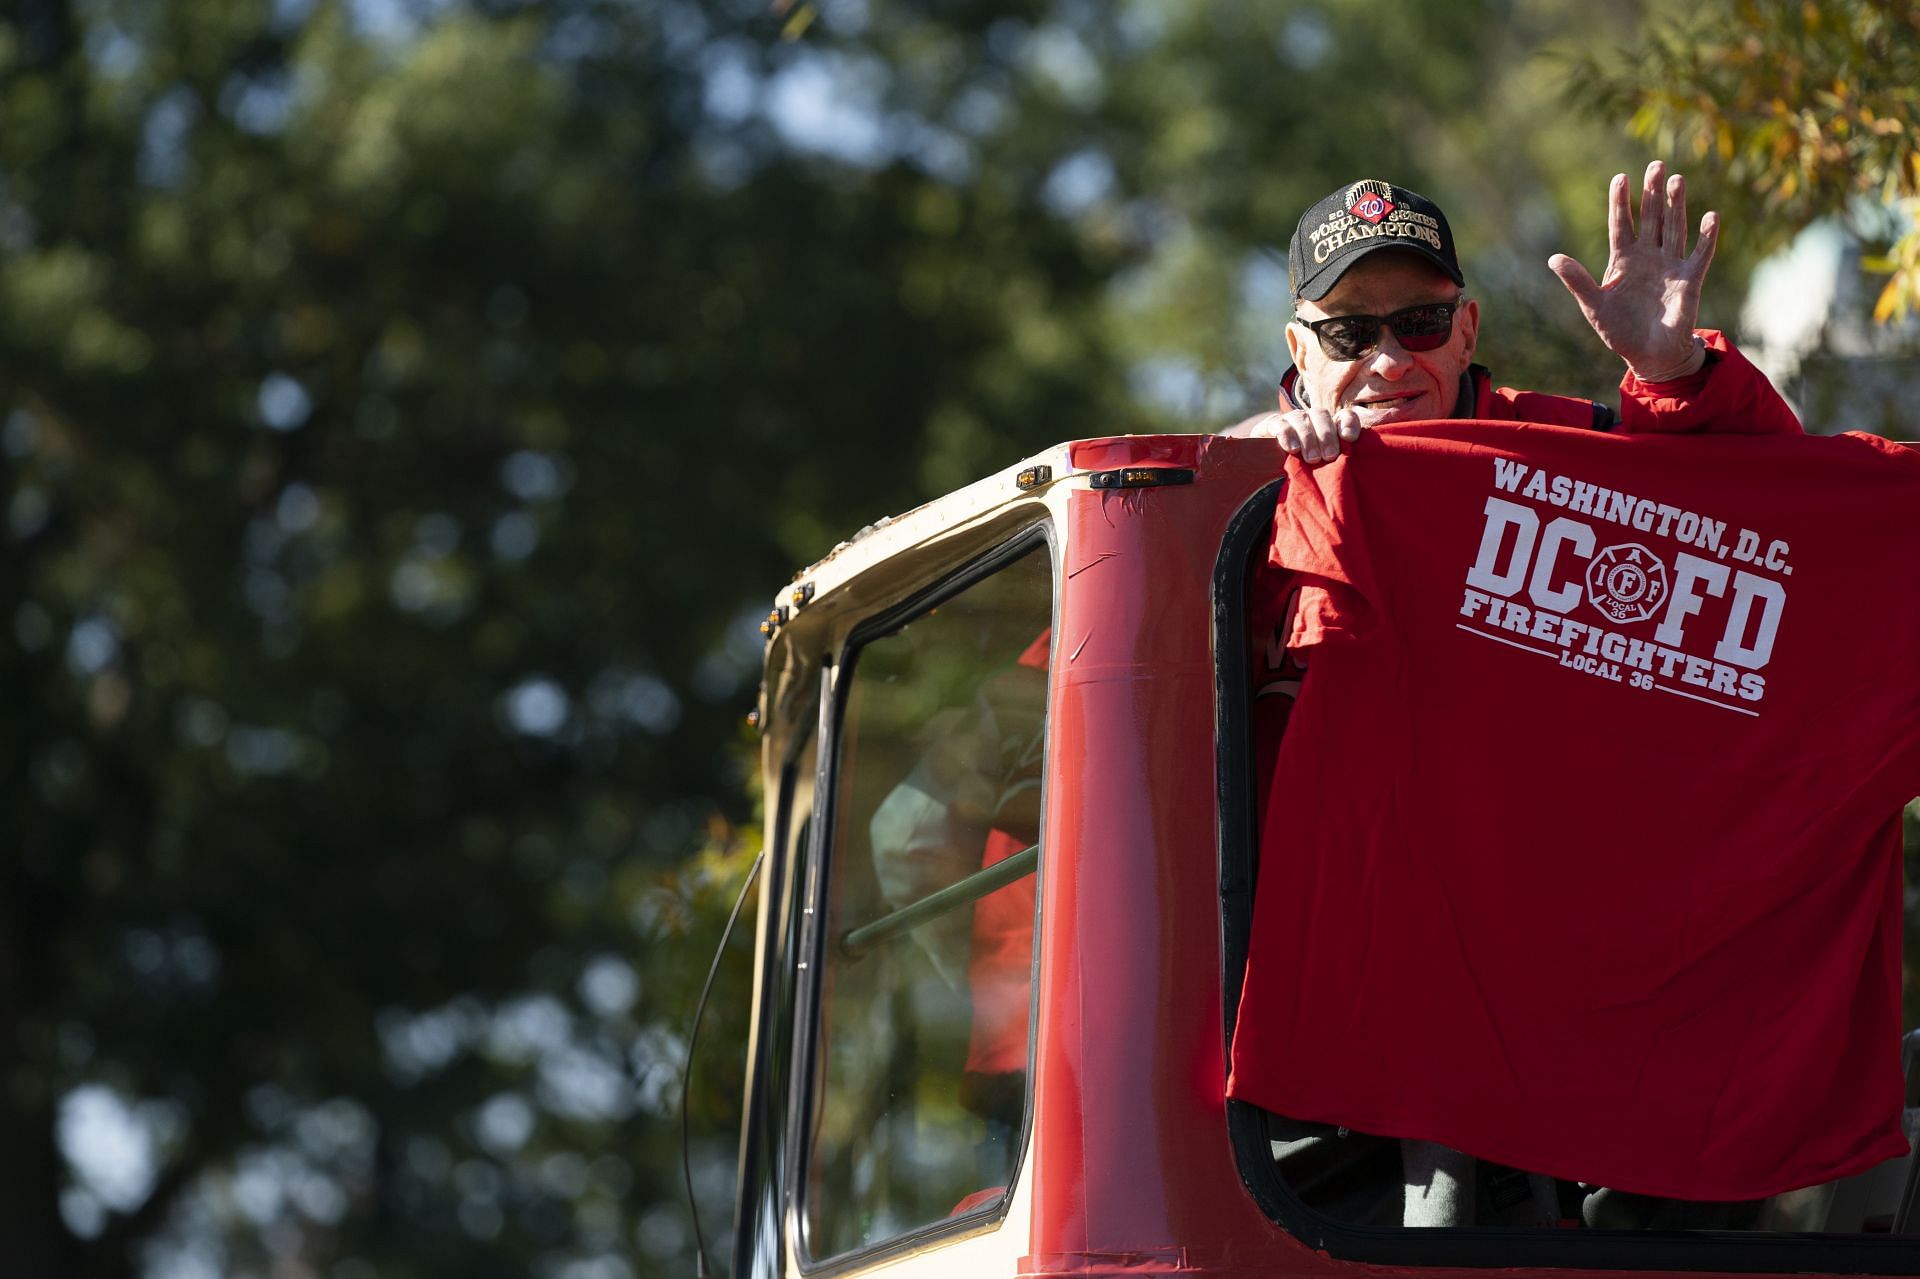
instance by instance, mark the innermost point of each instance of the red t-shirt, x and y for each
(1577, 854)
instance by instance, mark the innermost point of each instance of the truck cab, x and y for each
(1012, 843)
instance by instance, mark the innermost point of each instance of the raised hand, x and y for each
(1643, 308)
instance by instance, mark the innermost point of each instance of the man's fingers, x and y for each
(1327, 431)
(1650, 201)
(1619, 222)
(1673, 236)
(1313, 434)
(1702, 256)
(1310, 434)
(1585, 291)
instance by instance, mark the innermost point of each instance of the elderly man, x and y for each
(1384, 333)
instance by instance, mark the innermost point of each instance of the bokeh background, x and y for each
(408, 408)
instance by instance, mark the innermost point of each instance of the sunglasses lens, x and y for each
(1354, 337)
(1423, 328)
(1349, 337)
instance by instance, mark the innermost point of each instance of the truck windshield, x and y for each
(927, 907)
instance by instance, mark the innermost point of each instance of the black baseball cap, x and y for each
(1361, 218)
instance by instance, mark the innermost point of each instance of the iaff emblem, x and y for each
(1370, 201)
(1627, 582)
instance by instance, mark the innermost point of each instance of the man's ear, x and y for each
(1297, 336)
(1469, 322)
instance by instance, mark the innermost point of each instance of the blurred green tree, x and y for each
(406, 411)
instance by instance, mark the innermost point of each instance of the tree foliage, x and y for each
(406, 412)
(1812, 104)
(407, 415)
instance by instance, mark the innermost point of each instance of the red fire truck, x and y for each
(1005, 908)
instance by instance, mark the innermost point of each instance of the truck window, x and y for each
(918, 1085)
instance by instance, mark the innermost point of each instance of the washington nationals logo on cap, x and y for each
(1627, 582)
(1370, 201)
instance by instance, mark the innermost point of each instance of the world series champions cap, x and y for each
(1359, 219)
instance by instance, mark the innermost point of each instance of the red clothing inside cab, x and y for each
(1000, 960)
(1577, 855)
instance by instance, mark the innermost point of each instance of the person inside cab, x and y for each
(1384, 331)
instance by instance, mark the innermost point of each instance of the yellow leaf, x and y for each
(801, 19)
(1891, 302)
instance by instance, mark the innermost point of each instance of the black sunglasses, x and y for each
(1417, 328)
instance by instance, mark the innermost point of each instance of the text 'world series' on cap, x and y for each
(1361, 218)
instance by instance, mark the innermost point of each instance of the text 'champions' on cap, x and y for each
(1362, 218)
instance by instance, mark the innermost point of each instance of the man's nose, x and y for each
(1390, 360)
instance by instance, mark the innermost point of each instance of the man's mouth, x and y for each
(1376, 409)
(1383, 398)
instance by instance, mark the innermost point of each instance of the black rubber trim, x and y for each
(1234, 771)
(777, 889)
(813, 940)
(1729, 1252)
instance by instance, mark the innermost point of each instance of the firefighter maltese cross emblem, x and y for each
(1627, 582)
